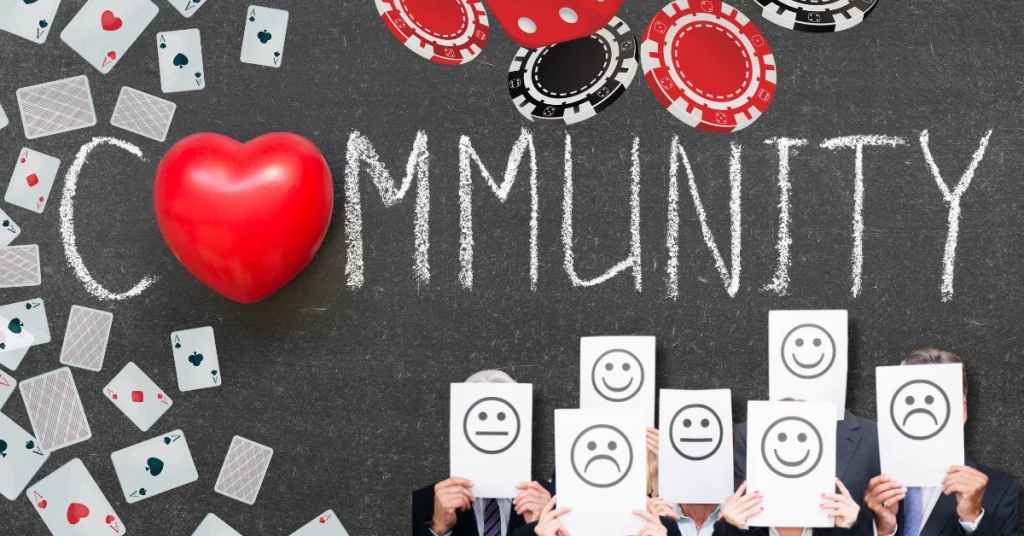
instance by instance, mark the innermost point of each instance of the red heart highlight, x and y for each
(77, 512)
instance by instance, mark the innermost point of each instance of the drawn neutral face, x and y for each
(808, 351)
(792, 447)
(601, 456)
(617, 375)
(920, 409)
(696, 432)
(491, 425)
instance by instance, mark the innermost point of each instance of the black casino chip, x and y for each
(817, 15)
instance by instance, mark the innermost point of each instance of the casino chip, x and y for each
(817, 15)
(451, 32)
(574, 80)
(708, 64)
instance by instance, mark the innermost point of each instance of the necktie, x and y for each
(492, 518)
(914, 515)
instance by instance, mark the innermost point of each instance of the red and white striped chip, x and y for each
(451, 32)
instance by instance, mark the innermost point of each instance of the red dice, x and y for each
(539, 23)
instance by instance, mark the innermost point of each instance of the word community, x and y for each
(364, 162)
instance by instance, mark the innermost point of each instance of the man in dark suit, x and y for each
(973, 500)
(856, 462)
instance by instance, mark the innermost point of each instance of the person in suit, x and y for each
(449, 508)
(690, 519)
(973, 499)
(740, 506)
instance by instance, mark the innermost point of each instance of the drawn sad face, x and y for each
(696, 432)
(491, 425)
(920, 409)
(808, 351)
(601, 456)
(792, 447)
(617, 375)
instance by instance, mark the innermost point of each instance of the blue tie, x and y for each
(914, 518)
(492, 518)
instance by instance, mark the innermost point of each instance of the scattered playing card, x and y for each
(12, 359)
(56, 107)
(8, 229)
(137, 396)
(195, 358)
(180, 55)
(85, 339)
(30, 19)
(188, 7)
(3, 118)
(19, 267)
(263, 42)
(213, 526)
(155, 466)
(55, 409)
(143, 114)
(103, 30)
(20, 458)
(326, 524)
(244, 468)
(33, 176)
(23, 324)
(71, 504)
(7, 386)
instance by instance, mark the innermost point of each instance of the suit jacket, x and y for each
(1000, 504)
(856, 463)
(465, 521)
(669, 524)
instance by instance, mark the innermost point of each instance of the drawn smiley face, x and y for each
(920, 409)
(792, 447)
(808, 351)
(696, 432)
(491, 425)
(601, 456)
(617, 375)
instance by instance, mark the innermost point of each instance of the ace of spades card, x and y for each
(154, 466)
(30, 19)
(181, 61)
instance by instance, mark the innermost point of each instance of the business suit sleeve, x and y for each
(1002, 518)
(525, 530)
(422, 511)
(739, 456)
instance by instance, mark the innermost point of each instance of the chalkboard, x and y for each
(348, 383)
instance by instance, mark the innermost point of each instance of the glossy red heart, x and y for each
(77, 512)
(109, 22)
(244, 218)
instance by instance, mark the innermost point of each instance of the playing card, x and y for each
(33, 176)
(143, 114)
(7, 386)
(181, 61)
(213, 526)
(188, 7)
(55, 409)
(244, 468)
(263, 42)
(137, 396)
(30, 19)
(154, 466)
(195, 358)
(85, 339)
(12, 359)
(326, 524)
(56, 107)
(71, 504)
(8, 230)
(23, 324)
(20, 458)
(3, 118)
(19, 267)
(103, 30)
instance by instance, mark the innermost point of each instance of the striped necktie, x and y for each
(492, 518)
(914, 505)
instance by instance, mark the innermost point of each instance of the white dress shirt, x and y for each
(929, 498)
(504, 510)
(688, 526)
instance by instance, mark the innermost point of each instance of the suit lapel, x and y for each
(941, 515)
(465, 524)
(847, 440)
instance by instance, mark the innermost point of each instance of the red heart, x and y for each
(109, 22)
(32, 180)
(244, 218)
(77, 512)
(109, 519)
(42, 504)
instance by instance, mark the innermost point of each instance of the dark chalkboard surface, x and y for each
(349, 385)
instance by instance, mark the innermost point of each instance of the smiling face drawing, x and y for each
(792, 447)
(920, 409)
(617, 375)
(491, 425)
(601, 456)
(808, 351)
(696, 432)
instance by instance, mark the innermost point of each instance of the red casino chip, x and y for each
(451, 32)
(708, 64)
